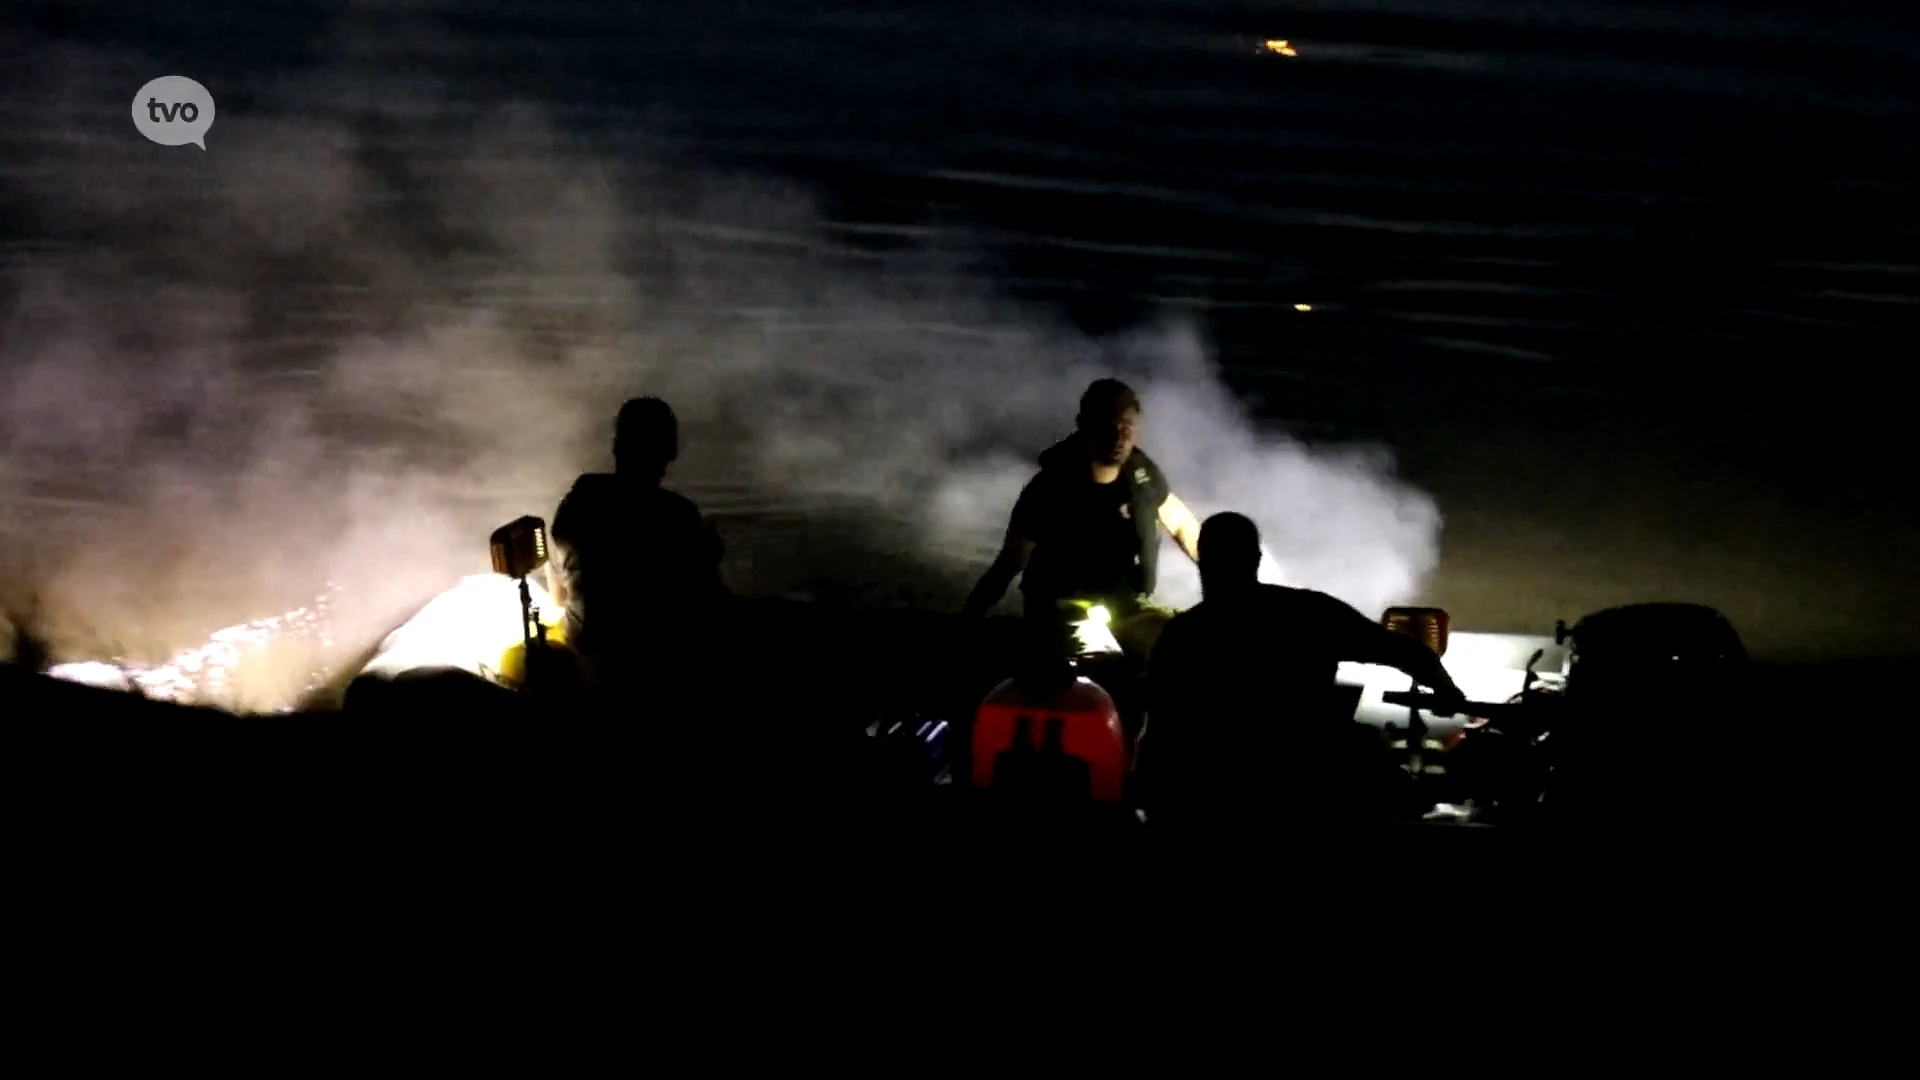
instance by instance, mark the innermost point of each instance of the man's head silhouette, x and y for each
(1109, 419)
(646, 438)
(1229, 555)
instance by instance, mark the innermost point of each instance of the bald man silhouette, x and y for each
(1243, 707)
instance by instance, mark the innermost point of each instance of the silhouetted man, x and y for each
(632, 562)
(1243, 710)
(1087, 527)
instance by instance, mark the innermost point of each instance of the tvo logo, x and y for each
(174, 110)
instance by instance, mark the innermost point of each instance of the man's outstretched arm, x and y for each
(1007, 565)
(1015, 551)
(1367, 642)
(1181, 522)
(1422, 665)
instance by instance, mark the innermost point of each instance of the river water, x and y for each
(1523, 309)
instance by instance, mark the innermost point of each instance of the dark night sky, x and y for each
(1631, 288)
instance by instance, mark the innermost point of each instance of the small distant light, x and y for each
(1303, 307)
(1281, 47)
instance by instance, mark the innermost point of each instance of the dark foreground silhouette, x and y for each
(760, 743)
(728, 799)
(760, 759)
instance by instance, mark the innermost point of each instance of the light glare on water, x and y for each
(228, 669)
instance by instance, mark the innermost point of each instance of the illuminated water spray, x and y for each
(210, 673)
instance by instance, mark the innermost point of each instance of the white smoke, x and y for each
(346, 341)
(1330, 518)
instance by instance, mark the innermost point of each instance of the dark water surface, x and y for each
(1633, 289)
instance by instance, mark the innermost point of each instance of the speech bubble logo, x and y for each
(173, 110)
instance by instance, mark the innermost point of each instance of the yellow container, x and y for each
(512, 668)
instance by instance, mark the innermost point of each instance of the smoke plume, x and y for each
(375, 319)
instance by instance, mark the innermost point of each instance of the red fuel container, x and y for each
(1071, 730)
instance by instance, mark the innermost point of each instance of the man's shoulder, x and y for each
(1292, 597)
(1045, 479)
(1268, 604)
(610, 490)
(594, 489)
(1310, 607)
(682, 510)
(1038, 496)
(1191, 635)
(1215, 617)
(1144, 472)
(670, 498)
(1191, 620)
(589, 490)
(592, 482)
(1191, 614)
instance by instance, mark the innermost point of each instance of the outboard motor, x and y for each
(1050, 734)
(1621, 655)
(1667, 668)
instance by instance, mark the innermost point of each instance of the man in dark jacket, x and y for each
(633, 563)
(1087, 527)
